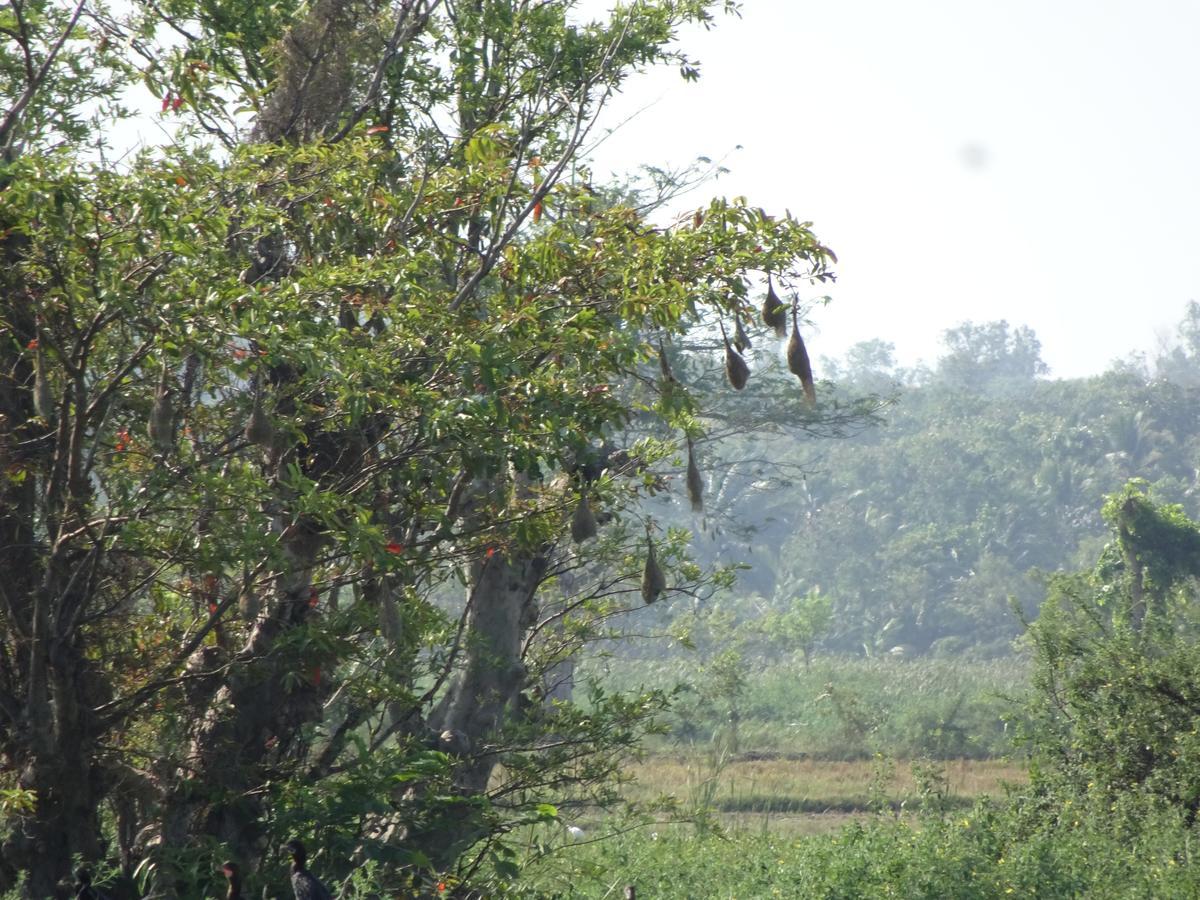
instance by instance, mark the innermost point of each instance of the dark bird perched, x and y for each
(304, 883)
(83, 886)
(234, 876)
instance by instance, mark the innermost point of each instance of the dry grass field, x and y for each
(798, 796)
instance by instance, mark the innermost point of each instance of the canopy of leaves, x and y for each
(363, 333)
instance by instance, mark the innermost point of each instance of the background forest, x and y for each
(981, 474)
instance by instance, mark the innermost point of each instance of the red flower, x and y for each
(32, 345)
(166, 102)
(313, 597)
(176, 103)
(394, 547)
(441, 887)
(212, 609)
(491, 551)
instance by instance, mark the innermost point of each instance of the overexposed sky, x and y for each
(1032, 161)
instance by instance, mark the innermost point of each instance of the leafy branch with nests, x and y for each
(737, 372)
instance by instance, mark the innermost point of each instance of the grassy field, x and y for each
(793, 747)
(762, 776)
(757, 823)
(838, 708)
(841, 781)
(806, 795)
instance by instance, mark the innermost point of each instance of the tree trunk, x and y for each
(499, 611)
(47, 731)
(251, 722)
(59, 769)
(503, 586)
(53, 748)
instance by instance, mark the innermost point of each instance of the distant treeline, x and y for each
(928, 530)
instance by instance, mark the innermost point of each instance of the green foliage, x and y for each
(1109, 721)
(15, 802)
(995, 850)
(928, 531)
(800, 624)
(373, 239)
(1116, 705)
(1164, 542)
(982, 356)
(839, 708)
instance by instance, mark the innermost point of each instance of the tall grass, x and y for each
(837, 708)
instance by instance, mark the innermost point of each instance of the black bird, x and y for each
(305, 884)
(234, 876)
(83, 886)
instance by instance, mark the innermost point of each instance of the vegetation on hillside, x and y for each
(1110, 809)
(922, 533)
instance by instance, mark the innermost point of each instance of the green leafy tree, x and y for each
(990, 355)
(1116, 663)
(296, 412)
(799, 623)
(1178, 360)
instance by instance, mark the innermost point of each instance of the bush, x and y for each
(1117, 665)
(1015, 848)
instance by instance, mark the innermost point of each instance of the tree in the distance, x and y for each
(991, 355)
(1116, 660)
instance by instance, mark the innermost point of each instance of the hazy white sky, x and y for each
(1032, 161)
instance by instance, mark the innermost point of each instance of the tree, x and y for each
(868, 366)
(1178, 359)
(1116, 664)
(272, 392)
(990, 355)
(803, 621)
